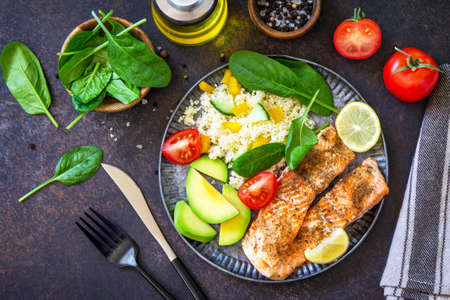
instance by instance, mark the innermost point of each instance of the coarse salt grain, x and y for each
(128, 124)
(139, 147)
(144, 101)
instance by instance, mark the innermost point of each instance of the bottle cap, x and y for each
(185, 12)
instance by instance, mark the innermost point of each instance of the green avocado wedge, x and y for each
(232, 231)
(214, 168)
(206, 202)
(190, 226)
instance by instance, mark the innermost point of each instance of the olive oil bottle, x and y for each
(190, 22)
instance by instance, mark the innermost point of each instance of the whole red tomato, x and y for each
(410, 74)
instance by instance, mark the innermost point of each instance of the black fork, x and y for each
(117, 246)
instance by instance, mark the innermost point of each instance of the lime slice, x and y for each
(330, 249)
(358, 126)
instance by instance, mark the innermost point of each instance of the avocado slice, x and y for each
(206, 202)
(214, 168)
(189, 225)
(233, 230)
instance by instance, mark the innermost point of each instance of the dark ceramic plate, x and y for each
(231, 259)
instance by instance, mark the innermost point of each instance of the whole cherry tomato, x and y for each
(410, 74)
(358, 37)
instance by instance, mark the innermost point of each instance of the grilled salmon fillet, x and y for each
(277, 225)
(356, 193)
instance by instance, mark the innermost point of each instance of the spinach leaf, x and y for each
(133, 61)
(84, 39)
(92, 84)
(310, 80)
(100, 56)
(259, 72)
(25, 79)
(82, 107)
(75, 66)
(75, 166)
(258, 159)
(122, 91)
(300, 139)
(116, 27)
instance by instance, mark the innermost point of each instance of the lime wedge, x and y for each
(330, 249)
(358, 126)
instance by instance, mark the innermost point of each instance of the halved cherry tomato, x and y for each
(258, 191)
(357, 38)
(183, 147)
(410, 74)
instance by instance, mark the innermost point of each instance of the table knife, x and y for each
(134, 195)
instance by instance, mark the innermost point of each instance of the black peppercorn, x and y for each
(285, 15)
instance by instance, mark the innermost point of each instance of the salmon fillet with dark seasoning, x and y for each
(350, 198)
(277, 225)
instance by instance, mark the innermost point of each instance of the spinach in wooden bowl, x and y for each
(109, 61)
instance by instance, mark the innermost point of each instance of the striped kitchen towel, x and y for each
(418, 266)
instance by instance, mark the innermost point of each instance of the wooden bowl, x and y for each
(254, 15)
(111, 104)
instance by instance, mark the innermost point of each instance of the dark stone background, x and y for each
(44, 256)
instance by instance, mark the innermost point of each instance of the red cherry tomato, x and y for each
(258, 191)
(410, 74)
(183, 147)
(357, 38)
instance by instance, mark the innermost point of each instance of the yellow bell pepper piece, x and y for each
(276, 114)
(234, 87)
(241, 109)
(232, 126)
(206, 143)
(259, 141)
(204, 86)
(226, 76)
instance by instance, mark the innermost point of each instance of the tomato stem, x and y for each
(358, 14)
(413, 64)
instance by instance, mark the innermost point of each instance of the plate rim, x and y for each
(378, 207)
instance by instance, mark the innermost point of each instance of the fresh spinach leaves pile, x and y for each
(75, 166)
(25, 79)
(108, 61)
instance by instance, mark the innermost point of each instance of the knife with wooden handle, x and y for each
(134, 195)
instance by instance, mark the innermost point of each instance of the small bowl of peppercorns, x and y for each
(284, 19)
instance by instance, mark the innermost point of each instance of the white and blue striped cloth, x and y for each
(418, 266)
